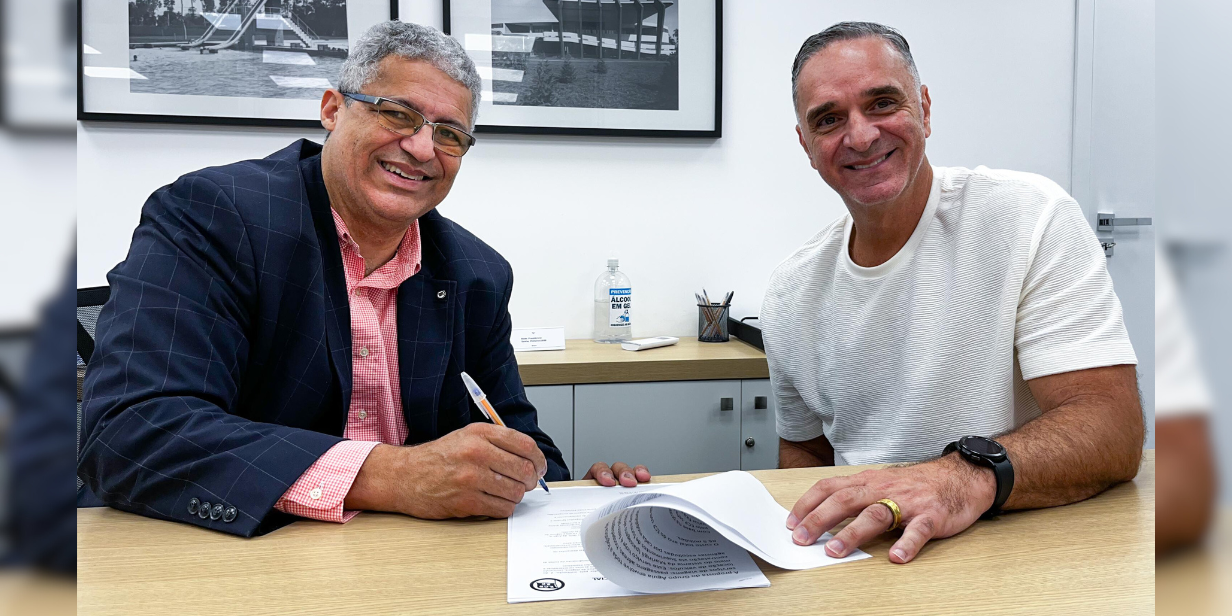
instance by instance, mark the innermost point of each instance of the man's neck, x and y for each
(878, 232)
(378, 240)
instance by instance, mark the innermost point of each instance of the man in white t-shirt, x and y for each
(952, 310)
(1184, 462)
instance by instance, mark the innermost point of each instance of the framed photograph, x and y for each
(247, 62)
(595, 67)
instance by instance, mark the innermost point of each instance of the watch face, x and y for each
(984, 447)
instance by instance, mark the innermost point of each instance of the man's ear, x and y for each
(926, 104)
(804, 144)
(331, 103)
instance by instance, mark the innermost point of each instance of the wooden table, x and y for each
(1093, 557)
(586, 361)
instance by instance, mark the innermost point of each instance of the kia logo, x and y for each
(547, 584)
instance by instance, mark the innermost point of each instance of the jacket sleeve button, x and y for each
(204, 511)
(229, 514)
(193, 505)
(216, 512)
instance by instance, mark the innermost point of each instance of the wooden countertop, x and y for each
(585, 361)
(1096, 556)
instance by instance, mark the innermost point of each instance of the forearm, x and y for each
(1076, 450)
(1185, 482)
(817, 452)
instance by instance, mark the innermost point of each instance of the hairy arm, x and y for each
(1089, 438)
(1185, 481)
(815, 452)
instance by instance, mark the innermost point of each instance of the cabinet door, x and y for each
(671, 427)
(554, 404)
(759, 443)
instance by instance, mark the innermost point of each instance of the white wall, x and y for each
(727, 210)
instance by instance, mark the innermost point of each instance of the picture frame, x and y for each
(242, 63)
(620, 71)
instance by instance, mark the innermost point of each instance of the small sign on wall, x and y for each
(538, 339)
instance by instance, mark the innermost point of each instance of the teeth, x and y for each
(872, 163)
(395, 170)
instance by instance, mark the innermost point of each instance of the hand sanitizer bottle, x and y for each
(612, 305)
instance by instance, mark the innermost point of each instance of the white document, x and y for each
(652, 539)
(547, 562)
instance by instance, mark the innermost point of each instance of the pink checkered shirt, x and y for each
(375, 415)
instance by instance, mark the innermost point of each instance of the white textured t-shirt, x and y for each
(1002, 280)
(1180, 388)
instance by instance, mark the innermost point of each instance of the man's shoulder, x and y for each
(817, 255)
(458, 252)
(802, 273)
(998, 188)
(246, 184)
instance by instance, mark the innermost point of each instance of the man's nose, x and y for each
(420, 144)
(861, 133)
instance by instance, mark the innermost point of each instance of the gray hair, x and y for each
(847, 31)
(413, 42)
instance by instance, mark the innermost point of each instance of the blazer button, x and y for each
(204, 511)
(193, 505)
(440, 295)
(216, 512)
(229, 514)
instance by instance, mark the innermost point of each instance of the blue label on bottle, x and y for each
(619, 301)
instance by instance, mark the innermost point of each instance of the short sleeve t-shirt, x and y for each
(1001, 282)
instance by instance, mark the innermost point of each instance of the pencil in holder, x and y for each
(712, 323)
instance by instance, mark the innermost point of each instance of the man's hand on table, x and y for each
(479, 470)
(618, 473)
(937, 499)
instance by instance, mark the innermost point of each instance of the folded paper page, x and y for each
(546, 560)
(645, 542)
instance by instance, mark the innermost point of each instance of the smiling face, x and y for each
(380, 178)
(862, 121)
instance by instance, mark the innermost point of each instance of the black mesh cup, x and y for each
(712, 323)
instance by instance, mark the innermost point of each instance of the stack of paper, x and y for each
(606, 542)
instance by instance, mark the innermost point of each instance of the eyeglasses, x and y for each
(399, 118)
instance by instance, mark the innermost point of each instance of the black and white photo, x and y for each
(229, 61)
(594, 66)
(608, 56)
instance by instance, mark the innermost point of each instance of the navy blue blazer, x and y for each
(222, 364)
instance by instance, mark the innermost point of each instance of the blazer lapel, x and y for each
(337, 304)
(426, 314)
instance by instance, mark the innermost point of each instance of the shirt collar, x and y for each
(406, 262)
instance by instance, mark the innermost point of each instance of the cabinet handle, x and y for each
(760, 403)
(727, 404)
(748, 442)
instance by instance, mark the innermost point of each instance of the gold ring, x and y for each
(893, 507)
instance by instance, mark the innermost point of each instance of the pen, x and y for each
(481, 401)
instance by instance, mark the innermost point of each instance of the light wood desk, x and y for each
(585, 361)
(1094, 557)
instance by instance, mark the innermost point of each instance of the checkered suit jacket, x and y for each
(222, 367)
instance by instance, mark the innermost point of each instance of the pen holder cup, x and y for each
(712, 323)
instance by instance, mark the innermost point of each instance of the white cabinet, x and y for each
(554, 404)
(759, 442)
(670, 426)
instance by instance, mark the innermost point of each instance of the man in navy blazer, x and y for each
(224, 382)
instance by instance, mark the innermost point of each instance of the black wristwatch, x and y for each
(987, 452)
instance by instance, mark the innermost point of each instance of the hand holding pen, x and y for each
(481, 401)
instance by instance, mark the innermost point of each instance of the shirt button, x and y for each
(363, 414)
(315, 494)
(363, 351)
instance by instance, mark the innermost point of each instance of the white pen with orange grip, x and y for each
(481, 401)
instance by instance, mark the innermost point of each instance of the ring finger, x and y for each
(874, 520)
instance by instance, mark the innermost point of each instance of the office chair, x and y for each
(89, 303)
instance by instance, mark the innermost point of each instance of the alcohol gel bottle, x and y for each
(612, 304)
